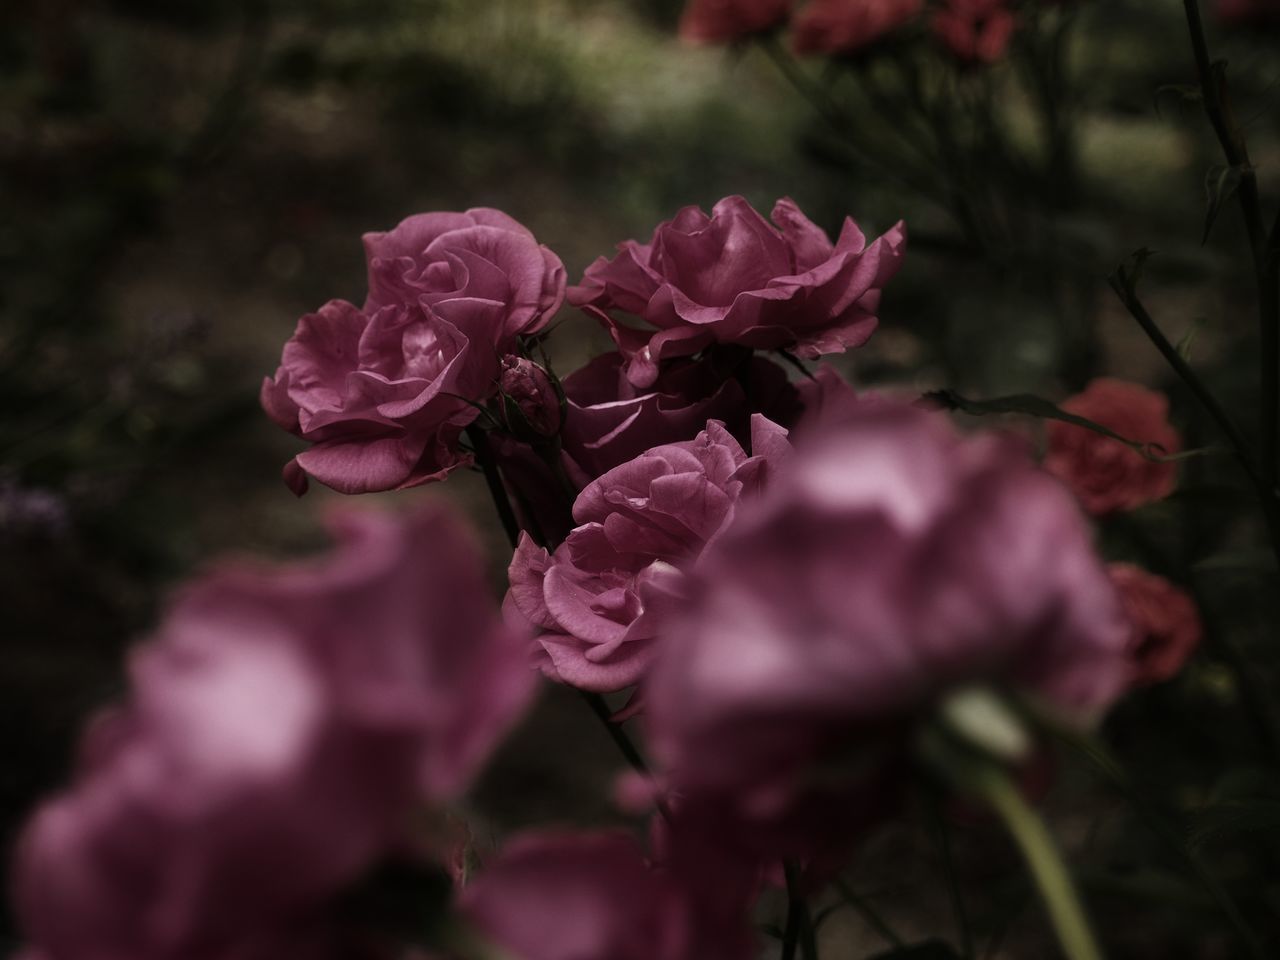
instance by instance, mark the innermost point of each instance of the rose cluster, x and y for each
(791, 581)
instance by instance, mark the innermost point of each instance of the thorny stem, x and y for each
(501, 502)
(799, 930)
(484, 456)
(1266, 492)
(1266, 256)
(624, 744)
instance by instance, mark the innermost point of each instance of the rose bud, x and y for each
(530, 399)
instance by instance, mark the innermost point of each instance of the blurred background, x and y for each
(181, 179)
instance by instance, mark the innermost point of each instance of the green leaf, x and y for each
(1220, 185)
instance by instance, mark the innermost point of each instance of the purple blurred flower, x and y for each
(891, 564)
(31, 511)
(564, 896)
(735, 278)
(382, 391)
(282, 727)
(601, 600)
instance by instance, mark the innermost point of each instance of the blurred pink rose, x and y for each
(890, 564)
(975, 31)
(564, 896)
(723, 21)
(1166, 623)
(845, 26)
(1104, 474)
(735, 278)
(381, 392)
(601, 600)
(283, 724)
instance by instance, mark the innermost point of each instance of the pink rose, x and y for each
(381, 392)
(482, 255)
(1104, 474)
(610, 421)
(723, 21)
(975, 31)
(601, 600)
(735, 278)
(283, 725)
(1166, 624)
(846, 26)
(564, 896)
(890, 564)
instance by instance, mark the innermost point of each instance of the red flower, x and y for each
(1166, 624)
(1105, 474)
(975, 31)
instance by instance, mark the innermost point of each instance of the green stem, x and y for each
(623, 742)
(1122, 284)
(501, 502)
(799, 928)
(1217, 105)
(1044, 861)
